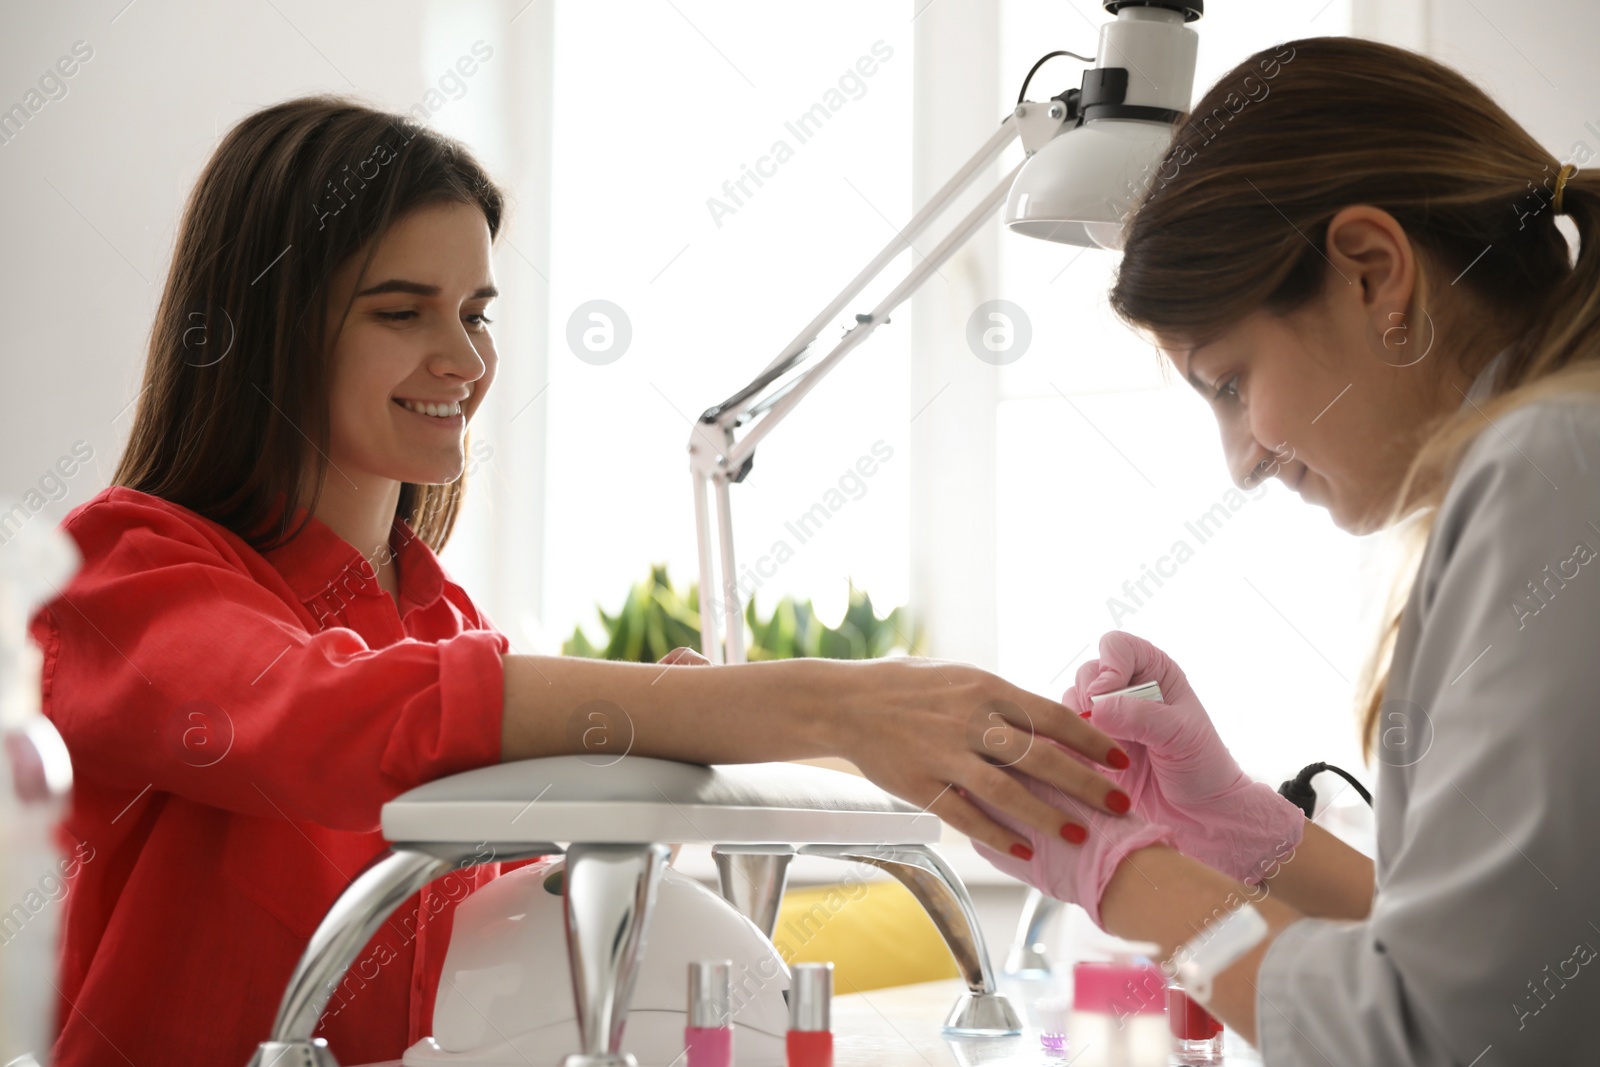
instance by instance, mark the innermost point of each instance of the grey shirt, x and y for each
(1481, 948)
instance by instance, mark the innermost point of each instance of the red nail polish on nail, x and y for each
(1117, 759)
(1022, 852)
(1083, 714)
(1118, 801)
(1074, 833)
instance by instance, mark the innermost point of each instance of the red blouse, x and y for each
(236, 721)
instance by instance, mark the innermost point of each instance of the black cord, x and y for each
(1035, 69)
(1299, 790)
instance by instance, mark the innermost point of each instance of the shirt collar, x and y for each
(316, 560)
(421, 575)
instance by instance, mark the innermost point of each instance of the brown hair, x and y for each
(1235, 220)
(235, 398)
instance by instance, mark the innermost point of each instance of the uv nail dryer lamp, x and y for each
(505, 999)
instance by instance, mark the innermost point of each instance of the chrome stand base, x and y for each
(603, 1059)
(608, 893)
(1026, 961)
(312, 1053)
(982, 1015)
(982, 1011)
(753, 878)
(1027, 958)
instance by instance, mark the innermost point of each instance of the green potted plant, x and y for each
(656, 618)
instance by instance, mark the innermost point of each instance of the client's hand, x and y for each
(941, 735)
(1182, 774)
(1078, 873)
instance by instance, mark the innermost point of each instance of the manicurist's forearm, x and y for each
(1157, 894)
(1322, 877)
(558, 705)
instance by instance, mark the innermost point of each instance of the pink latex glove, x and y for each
(1181, 773)
(1078, 874)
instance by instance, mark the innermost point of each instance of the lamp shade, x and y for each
(1078, 188)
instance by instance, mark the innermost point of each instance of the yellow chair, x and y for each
(874, 933)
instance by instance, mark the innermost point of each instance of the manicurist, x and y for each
(1363, 277)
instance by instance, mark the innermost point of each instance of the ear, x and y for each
(1375, 265)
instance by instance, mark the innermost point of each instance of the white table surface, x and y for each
(900, 1027)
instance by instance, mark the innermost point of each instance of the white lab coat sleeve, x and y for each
(1481, 945)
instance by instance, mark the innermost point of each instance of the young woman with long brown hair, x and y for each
(261, 647)
(1362, 275)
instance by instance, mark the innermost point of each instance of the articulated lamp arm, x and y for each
(719, 455)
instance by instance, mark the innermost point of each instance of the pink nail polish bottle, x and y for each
(1118, 1016)
(708, 1038)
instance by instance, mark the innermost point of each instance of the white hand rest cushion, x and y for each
(505, 996)
(634, 799)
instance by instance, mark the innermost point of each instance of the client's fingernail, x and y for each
(1117, 759)
(1022, 852)
(1118, 801)
(1083, 714)
(1074, 833)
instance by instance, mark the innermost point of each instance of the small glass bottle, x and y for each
(1118, 1016)
(809, 1042)
(1051, 1015)
(708, 1039)
(1196, 1033)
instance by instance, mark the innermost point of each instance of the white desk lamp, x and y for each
(1090, 155)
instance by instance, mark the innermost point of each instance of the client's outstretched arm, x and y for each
(931, 732)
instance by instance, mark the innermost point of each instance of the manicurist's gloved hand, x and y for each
(1182, 775)
(1077, 873)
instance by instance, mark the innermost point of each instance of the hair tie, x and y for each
(1567, 171)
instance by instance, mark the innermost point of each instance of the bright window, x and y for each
(1114, 506)
(721, 170)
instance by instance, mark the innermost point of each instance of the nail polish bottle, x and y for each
(708, 1038)
(1196, 1033)
(809, 1042)
(1118, 1016)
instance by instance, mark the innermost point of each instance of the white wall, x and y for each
(92, 186)
(1537, 60)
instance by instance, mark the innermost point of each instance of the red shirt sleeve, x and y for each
(178, 649)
